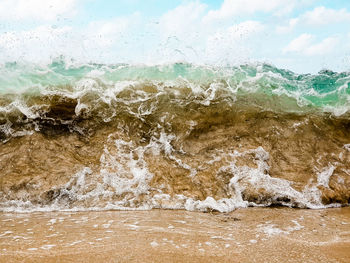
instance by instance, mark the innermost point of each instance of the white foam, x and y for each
(154, 244)
(52, 221)
(123, 177)
(47, 246)
(347, 147)
(296, 227)
(271, 230)
(324, 176)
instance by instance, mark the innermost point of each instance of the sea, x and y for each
(91, 137)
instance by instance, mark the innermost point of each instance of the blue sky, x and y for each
(300, 35)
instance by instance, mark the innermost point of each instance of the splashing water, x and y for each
(176, 136)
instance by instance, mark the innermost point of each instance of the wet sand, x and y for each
(245, 235)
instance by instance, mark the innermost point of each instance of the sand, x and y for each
(245, 235)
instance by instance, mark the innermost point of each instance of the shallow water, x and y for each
(246, 235)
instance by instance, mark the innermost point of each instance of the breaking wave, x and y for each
(177, 136)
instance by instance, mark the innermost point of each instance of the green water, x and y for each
(327, 91)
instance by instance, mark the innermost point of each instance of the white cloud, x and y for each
(305, 44)
(231, 8)
(319, 16)
(299, 44)
(285, 29)
(184, 20)
(323, 16)
(326, 46)
(47, 10)
(105, 33)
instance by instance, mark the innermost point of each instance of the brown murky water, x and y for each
(242, 158)
(245, 235)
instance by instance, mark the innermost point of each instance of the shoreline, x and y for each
(244, 235)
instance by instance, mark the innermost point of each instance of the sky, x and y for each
(304, 36)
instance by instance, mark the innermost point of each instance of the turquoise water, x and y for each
(326, 92)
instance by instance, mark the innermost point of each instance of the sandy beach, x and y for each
(245, 235)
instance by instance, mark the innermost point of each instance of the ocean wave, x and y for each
(177, 136)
